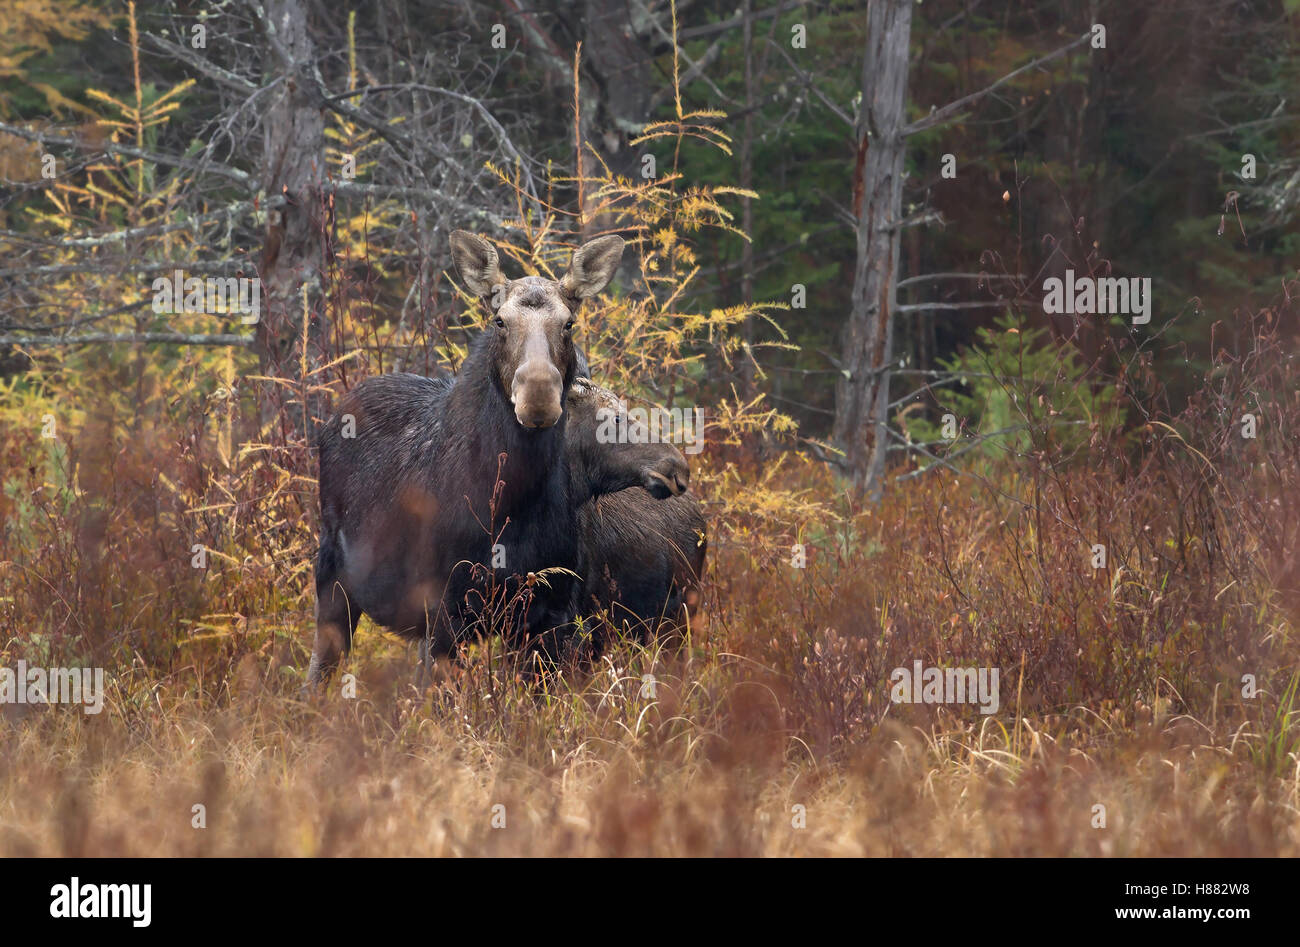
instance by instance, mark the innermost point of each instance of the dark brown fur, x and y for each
(410, 505)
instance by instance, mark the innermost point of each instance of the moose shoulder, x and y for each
(432, 491)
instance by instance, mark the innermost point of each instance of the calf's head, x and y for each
(532, 353)
(613, 451)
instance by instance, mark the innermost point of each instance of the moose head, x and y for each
(532, 350)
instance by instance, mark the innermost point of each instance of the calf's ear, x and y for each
(592, 267)
(476, 262)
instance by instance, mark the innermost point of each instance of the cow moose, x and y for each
(436, 494)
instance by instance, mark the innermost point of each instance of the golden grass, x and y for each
(605, 772)
(1120, 687)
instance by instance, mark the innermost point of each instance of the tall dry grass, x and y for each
(1120, 687)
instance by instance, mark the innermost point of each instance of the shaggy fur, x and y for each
(644, 557)
(410, 506)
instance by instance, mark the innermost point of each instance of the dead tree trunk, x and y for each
(295, 251)
(747, 203)
(862, 390)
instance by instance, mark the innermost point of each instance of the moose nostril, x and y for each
(667, 479)
(659, 486)
(537, 416)
(679, 475)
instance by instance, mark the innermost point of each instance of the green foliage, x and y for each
(1016, 392)
(1276, 753)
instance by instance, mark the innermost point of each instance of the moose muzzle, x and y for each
(536, 392)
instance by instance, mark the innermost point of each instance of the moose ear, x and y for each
(476, 262)
(592, 267)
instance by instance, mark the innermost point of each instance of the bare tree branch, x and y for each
(149, 338)
(108, 147)
(708, 29)
(952, 111)
(201, 64)
(497, 128)
(927, 277)
(121, 236)
(811, 86)
(913, 307)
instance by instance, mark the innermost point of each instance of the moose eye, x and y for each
(568, 326)
(501, 323)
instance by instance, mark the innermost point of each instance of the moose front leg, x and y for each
(336, 623)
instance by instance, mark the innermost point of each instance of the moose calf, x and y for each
(644, 556)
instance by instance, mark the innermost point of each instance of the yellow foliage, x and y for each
(28, 26)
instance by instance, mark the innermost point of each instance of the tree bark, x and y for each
(747, 203)
(617, 59)
(862, 390)
(615, 85)
(296, 247)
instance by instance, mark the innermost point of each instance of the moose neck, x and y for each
(532, 457)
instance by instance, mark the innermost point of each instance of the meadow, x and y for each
(771, 731)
